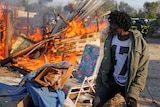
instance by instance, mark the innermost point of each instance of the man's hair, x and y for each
(121, 19)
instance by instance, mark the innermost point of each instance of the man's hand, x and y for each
(131, 102)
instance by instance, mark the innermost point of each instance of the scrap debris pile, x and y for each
(32, 48)
(62, 40)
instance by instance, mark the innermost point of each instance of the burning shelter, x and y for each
(27, 45)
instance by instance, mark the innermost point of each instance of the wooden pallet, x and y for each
(77, 43)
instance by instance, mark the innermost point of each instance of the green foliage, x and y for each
(150, 10)
(107, 6)
(150, 14)
(133, 14)
(150, 6)
(153, 27)
(126, 8)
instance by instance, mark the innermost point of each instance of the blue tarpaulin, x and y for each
(15, 92)
(41, 95)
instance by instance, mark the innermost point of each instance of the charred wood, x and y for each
(6, 60)
(20, 70)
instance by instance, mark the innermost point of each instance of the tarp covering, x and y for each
(41, 96)
(15, 92)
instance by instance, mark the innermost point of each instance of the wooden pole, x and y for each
(8, 34)
(64, 20)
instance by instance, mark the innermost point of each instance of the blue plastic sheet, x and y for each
(43, 97)
(15, 92)
(11, 90)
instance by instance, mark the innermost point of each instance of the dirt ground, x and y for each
(150, 97)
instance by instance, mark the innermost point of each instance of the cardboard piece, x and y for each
(55, 77)
(25, 101)
(40, 78)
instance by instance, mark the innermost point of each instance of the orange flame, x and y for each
(2, 29)
(37, 36)
(75, 28)
(1, 51)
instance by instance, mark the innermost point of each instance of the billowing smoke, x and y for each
(44, 9)
(12, 3)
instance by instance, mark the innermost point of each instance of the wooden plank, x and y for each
(82, 40)
(25, 52)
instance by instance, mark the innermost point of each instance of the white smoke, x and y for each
(59, 2)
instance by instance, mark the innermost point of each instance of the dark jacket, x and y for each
(138, 59)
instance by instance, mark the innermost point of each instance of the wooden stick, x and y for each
(91, 9)
(29, 50)
(96, 17)
(39, 44)
(64, 20)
